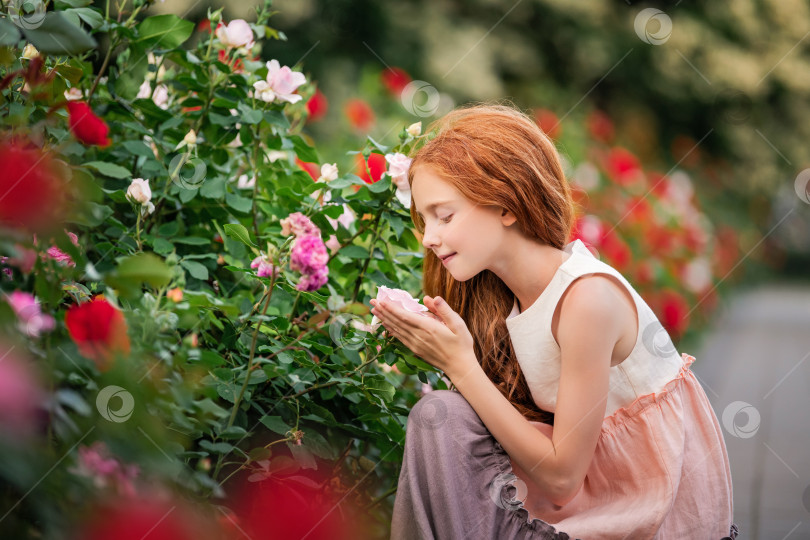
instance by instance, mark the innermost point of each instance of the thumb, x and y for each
(450, 317)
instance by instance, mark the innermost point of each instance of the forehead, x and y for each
(429, 188)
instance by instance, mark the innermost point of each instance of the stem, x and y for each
(377, 231)
(380, 498)
(236, 403)
(138, 230)
(113, 45)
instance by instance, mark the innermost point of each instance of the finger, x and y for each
(402, 317)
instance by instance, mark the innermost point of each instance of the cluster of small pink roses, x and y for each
(308, 255)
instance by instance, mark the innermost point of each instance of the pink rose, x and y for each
(398, 296)
(280, 84)
(236, 33)
(308, 254)
(31, 321)
(20, 394)
(265, 267)
(299, 225)
(60, 256)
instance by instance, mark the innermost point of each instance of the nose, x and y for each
(429, 239)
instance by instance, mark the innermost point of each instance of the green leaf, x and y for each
(162, 246)
(239, 232)
(304, 151)
(167, 31)
(57, 35)
(9, 35)
(90, 16)
(197, 270)
(109, 169)
(275, 423)
(219, 448)
(136, 269)
(238, 203)
(355, 252)
(249, 115)
(380, 185)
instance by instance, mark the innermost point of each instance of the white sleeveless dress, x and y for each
(660, 469)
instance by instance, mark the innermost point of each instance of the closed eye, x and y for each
(447, 219)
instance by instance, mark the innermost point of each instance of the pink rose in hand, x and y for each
(397, 296)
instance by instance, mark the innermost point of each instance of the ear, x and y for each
(507, 217)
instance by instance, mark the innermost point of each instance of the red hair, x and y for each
(495, 154)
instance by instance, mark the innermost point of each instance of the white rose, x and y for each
(139, 191)
(145, 90)
(29, 52)
(414, 129)
(161, 96)
(74, 94)
(329, 172)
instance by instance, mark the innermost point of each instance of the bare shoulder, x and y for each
(596, 301)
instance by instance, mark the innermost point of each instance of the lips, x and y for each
(447, 258)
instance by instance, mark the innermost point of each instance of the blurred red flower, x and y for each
(548, 122)
(359, 113)
(313, 169)
(99, 330)
(674, 312)
(376, 164)
(623, 167)
(317, 106)
(32, 192)
(86, 126)
(600, 127)
(395, 80)
(141, 517)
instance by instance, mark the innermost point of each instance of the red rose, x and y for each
(359, 113)
(395, 80)
(31, 190)
(99, 330)
(376, 164)
(317, 106)
(86, 126)
(600, 126)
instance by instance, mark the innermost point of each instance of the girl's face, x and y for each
(474, 233)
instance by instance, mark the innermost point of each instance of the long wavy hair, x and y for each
(495, 154)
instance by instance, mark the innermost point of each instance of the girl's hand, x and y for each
(440, 336)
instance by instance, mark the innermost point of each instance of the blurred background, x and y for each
(707, 102)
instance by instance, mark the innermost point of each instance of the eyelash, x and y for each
(447, 219)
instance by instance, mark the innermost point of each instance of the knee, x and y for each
(439, 410)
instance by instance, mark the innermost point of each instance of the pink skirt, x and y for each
(660, 471)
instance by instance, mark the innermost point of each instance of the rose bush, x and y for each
(192, 303)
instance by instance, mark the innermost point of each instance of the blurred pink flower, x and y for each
(60, 256)
(308, 254)
(236, 33)
(95, 462)
(30, 319)
(298, 224)
(333, 244)
(20, 395)
(265, 267)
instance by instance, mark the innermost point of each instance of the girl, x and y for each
(572, 413)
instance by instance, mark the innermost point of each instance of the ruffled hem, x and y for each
(506, 478)
(622, 415)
